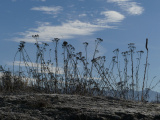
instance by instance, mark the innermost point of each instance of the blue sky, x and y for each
(117, 22)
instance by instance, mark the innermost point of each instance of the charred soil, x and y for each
(73, 107)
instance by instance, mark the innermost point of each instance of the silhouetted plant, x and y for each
(80, 75)
(142, 97)
(131, 50)
(137, 71)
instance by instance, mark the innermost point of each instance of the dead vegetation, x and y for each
(78, 74)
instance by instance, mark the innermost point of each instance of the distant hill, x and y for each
(152, 95)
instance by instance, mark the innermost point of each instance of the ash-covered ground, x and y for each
(74, 107)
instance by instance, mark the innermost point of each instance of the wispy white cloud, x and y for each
(132, 8)
(111, 17)
(48, 10)
(82, 15)
(118, 0)
(40, 0)
(67, 30)
(34, 65)
(31, 0)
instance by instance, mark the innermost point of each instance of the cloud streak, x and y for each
(82, 15)
(111, 17)
(132, 8)
(40, 0)
(67, 30)
(48, 10)
(71, 28)
(34, 65)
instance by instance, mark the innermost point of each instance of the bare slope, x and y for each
(74, 107)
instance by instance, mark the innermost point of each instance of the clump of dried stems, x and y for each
(90, 79)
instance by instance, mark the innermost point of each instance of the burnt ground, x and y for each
(74, 107)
